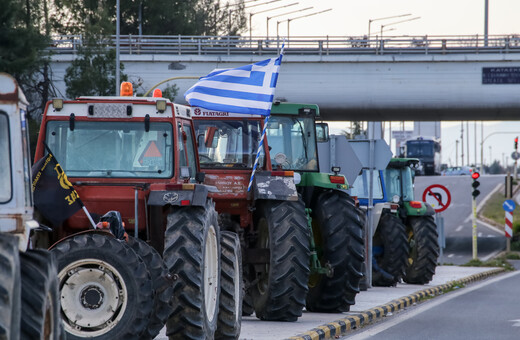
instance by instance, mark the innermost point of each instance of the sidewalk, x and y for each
(377, 302)
(371, 304)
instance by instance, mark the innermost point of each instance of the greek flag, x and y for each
(247, 89)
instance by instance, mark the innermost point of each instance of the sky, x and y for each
(435, 18)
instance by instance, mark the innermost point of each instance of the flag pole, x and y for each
(89, 217)
(260, 145)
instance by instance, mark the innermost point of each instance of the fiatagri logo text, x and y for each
(199, 112)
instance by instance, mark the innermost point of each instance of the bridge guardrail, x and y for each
(328, 45)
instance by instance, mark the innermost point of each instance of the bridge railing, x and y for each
(328, 45)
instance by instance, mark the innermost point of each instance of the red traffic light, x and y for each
(516, 140)
(475, 175)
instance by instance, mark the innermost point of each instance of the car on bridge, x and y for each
(457, 171)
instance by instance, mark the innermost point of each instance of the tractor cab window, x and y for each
(112, 149)
(361, 186)
(228, 143)
(292, 143)
(399, 182)
(407, 178)
(5, 160)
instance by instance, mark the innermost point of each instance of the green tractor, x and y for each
(336, 224)
(405, 242)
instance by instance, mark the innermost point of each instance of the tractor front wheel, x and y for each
(281, 284)
(389, 251)
(424, 250)
(192, 255)
(338, 234)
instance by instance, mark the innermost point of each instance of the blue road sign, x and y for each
(509, 205)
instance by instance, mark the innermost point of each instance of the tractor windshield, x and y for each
(292, 143)
(228, 143)
(397, 179)
(112, 149)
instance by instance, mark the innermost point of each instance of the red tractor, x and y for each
(137, 158)
(293, 257)
(270, 219)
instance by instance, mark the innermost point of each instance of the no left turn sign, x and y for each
(438, 196)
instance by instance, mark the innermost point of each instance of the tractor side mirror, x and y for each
(322, 132)
(200, 177)
(212, 135)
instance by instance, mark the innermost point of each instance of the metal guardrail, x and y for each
(328, 45)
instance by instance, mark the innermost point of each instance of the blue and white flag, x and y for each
(247, 89)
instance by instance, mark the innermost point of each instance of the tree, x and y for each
(93, 72)
(155, 17)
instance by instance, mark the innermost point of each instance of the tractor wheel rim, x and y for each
(211, 271)
(93, 295)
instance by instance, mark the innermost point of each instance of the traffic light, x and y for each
(475, 184)
(516, 143)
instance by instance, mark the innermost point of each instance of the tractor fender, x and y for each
(104, 232)
(191, 197)
(267, 186)
(424, 210)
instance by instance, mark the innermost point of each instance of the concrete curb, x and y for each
(339, 327)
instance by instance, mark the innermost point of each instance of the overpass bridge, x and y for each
(350, 78)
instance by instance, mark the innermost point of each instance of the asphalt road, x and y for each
(457, 217)
(484, 310)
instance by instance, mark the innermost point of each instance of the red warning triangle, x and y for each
(152, 150)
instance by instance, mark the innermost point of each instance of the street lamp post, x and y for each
(395, 23)
(302, 16)
(251, 15)
(279, 15)
(491, 134)
(385, 18)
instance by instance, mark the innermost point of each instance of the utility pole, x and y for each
(461, 143)
(467, 141)
(486, 19)
(457, 152)
(117, 47)
(475, 142)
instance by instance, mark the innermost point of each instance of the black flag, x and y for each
(54, 196)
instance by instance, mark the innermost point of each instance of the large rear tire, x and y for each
(424, 250)
(10, 292)
(40, 300)
(105, 288)
(230, 307)
(338, 228)
(390, 251)
(192, 255)
(281, 288)
(162, 295)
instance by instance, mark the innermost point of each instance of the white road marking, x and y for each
(479, 234)
(516, 323)
(451, 255)
(393, 321)
(490, 256)
(459, 228)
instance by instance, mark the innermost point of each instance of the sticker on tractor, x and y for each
(151, 155)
